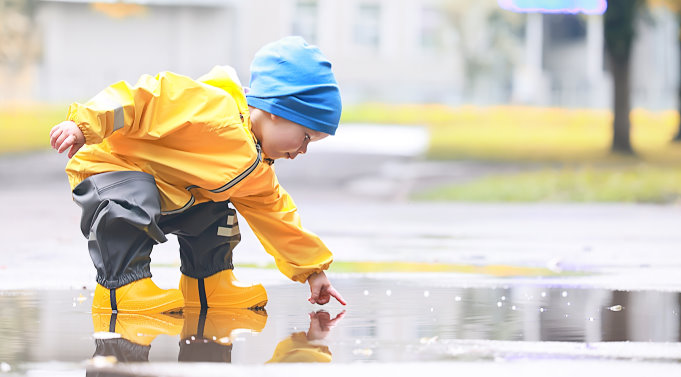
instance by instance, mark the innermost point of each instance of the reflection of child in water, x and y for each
(206, 336)
(301, 347)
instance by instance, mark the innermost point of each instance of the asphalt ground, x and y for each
(619, 246)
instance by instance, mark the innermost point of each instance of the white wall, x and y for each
(85, 50)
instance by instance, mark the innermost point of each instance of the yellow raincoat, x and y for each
(297, 349)
(194, 137)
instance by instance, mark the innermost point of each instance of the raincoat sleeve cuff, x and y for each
(90, 136)
(300, 274)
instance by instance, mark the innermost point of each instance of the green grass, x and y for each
(639, 183)
(577, 139)
(516, 133)
(420, 267)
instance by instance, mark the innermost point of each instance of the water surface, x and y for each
(385, 321)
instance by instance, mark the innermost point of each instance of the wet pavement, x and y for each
(484, 289)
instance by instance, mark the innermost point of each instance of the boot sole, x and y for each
(258, 306)
(165, 308)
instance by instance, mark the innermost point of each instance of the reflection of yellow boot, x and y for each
(140, 296)
(221, 290)
(220, 325)
(140, 329)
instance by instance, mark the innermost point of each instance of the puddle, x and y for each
(386, 321)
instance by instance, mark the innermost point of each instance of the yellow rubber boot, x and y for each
(220, 325)
(221, 290)
(140, 329)
(140, 296)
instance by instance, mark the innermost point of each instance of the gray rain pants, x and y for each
(122, 221)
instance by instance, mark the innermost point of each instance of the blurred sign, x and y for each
(555, 6)
(119, 10)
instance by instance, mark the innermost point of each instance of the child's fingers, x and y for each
(63, 137)
(66, 143)
(333, 292)
(54, 128)
(74, 149)
(54, 135)
(323, 298)
(314, 296)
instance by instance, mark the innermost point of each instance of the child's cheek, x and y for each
(288, 145)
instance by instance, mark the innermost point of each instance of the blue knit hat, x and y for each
(293, 80)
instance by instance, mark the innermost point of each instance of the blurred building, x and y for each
(462, 52)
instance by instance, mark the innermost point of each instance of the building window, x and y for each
(432, 28)
(565, 27)
(367, 25)
(305, 20)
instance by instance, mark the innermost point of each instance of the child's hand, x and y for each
(321, 323)
(67, 135)
(321, 289)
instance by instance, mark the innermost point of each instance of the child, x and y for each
(170, 154)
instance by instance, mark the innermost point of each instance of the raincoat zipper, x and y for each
(223, 188)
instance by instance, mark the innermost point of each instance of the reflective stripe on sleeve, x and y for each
(104, 102)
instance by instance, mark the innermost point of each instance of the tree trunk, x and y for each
(621, 140)
(677, 138)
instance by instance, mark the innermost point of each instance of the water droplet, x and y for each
(187, 341)
(388, 292)
(426, 293)
(564, 294)
(566, 316)
(499, 304)
(591, 319)
(215, 338)
(362, 351)
(432, 310)
(366, 293)
(568, 304)
(358, 341)
(457, 298)
(74, 304)
(192, 337)
(428, 340)
(615, 308)
(543, 294)
(503, 298)
(542, 310)
(513, 307)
